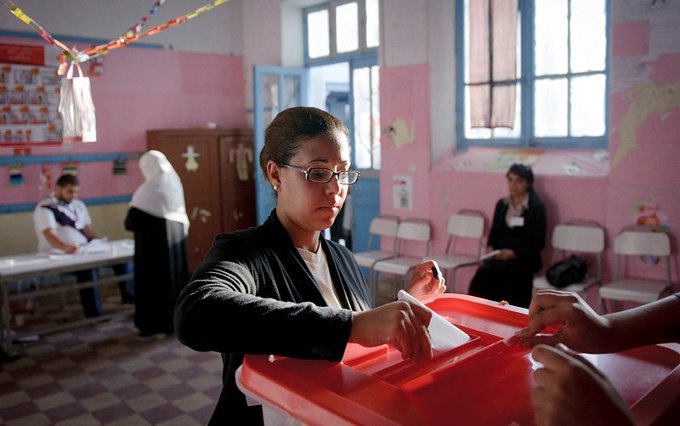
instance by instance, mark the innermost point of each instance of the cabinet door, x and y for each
(194, 155)
(238, 164)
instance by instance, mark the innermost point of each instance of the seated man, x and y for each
(62, 222)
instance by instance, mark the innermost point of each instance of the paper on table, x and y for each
(98, 245)
(443, 334)
(61, 256)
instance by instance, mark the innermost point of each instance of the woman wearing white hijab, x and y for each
(158, 218)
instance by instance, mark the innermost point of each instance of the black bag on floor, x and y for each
(568, 271)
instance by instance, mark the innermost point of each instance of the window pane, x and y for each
(550, 107)
(347, 27)
(372, 23)
(329, 80)
(551, 23)
(588, 35)
(270, 93)
(318, 43)
(366, 121)
(588, 105)
(291, 91)
(362, 117)
(499, 132)
(375, 114)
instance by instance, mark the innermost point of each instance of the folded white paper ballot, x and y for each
(443, 334)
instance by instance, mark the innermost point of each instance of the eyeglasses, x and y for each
(322, 175)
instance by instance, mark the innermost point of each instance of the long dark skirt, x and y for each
(160, 270)
(508, 280)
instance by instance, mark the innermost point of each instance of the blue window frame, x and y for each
(342, 30)
(341, 49)
(561, 83)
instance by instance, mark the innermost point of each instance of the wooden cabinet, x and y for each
(217, 171)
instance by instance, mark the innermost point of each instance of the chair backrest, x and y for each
(580, 238)
(414, 230)
(383, 226)
(641, 242)
(466, 224)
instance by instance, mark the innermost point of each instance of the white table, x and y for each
(35, 265)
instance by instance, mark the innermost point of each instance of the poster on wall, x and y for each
(29, 102)
(402, 192)
(507, 157)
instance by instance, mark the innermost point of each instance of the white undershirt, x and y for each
(514, 212)
(318, 265)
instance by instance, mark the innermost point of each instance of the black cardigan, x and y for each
(526, 241)
(254, 294)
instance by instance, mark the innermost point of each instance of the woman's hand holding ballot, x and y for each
(400, 323)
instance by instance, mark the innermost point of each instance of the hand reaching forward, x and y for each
(400, 323)
(569, 390)
(578, 326)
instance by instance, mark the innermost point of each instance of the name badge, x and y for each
(516, 221)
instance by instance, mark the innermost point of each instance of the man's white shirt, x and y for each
(44, 218)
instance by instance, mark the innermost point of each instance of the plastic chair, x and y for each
(410, 230)
(381, 226)
(635, 242)
(576, 237)
(464, 224)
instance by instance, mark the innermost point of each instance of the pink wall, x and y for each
(142, 89)
(644, 109)
(404, 93)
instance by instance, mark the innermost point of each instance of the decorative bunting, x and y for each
(131, 35)
(137, 28)
(37, 28)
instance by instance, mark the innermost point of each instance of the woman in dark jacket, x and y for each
(518, 233)
(280, 288)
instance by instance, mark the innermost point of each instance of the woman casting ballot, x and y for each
(281, 288)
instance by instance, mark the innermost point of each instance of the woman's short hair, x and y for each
(522, 171)
(291, 126)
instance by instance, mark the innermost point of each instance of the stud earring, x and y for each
(275, 188)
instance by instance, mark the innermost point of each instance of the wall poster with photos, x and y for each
(29, 102)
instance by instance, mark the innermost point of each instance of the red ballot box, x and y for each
(485, 381)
